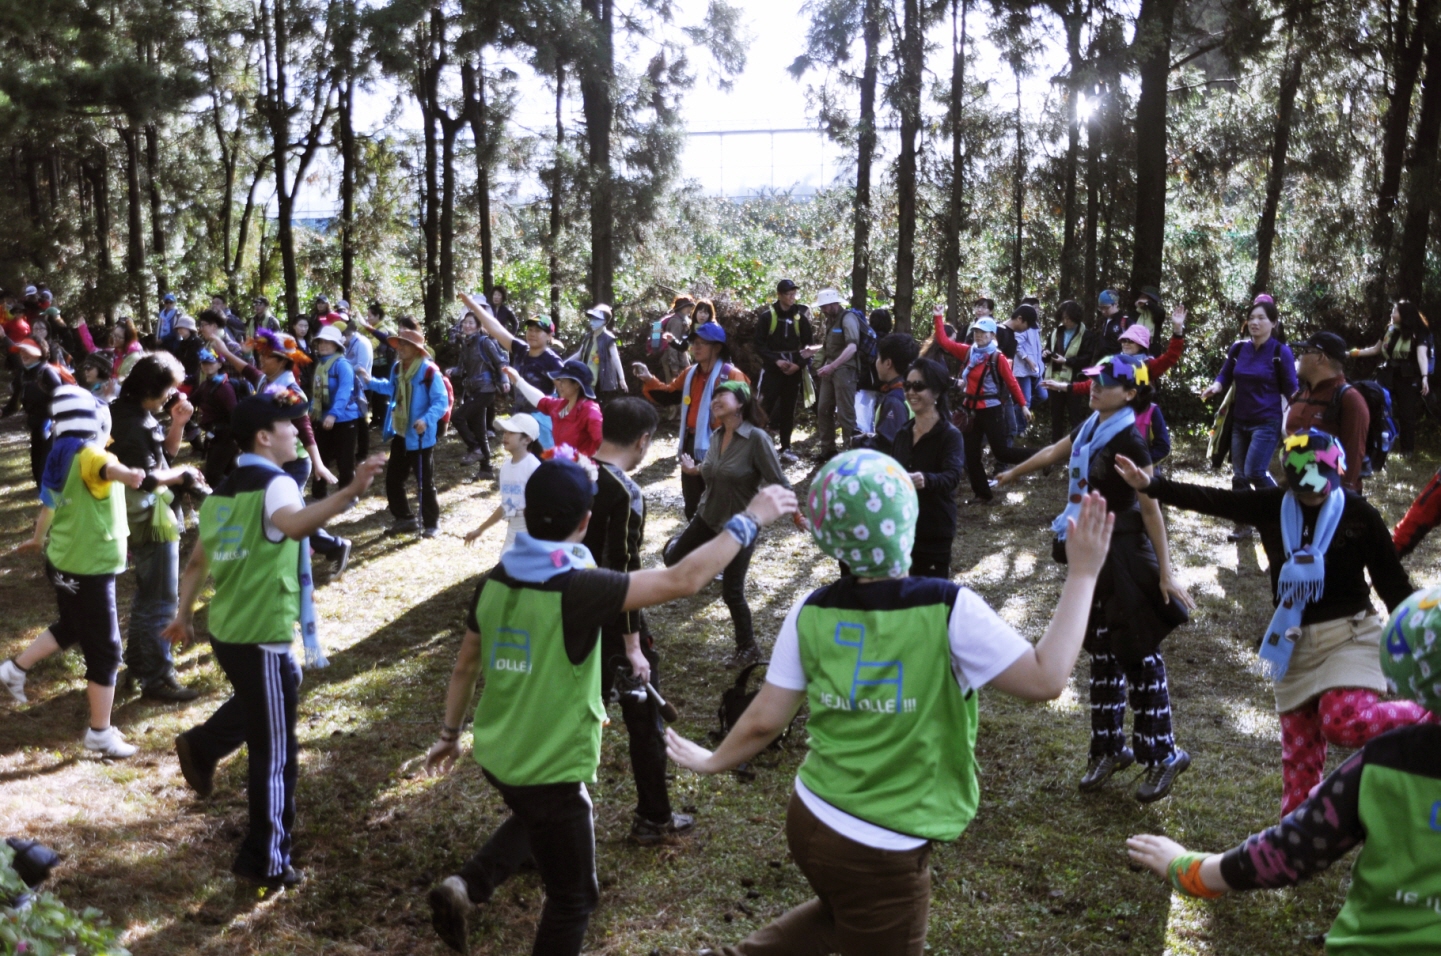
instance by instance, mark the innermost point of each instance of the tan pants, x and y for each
(869, 902)
(836, 403)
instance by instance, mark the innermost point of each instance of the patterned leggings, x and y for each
(1150, 704)
(1344, 716)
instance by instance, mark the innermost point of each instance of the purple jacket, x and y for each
(1259, 379)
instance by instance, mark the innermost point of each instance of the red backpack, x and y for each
(430, 369)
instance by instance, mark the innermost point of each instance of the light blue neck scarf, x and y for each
(702, 415)
(1302, 578)
(535, 561)
(1094, 435)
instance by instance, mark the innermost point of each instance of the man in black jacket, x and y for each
(783, 328)
(614, 537)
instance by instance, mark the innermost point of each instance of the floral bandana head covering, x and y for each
(1121, 369)
(1314, 461)
(1410, 652)
(862, 510)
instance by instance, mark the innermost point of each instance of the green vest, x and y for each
(257, 581)
(1394, 904)
(1395, 346)
(87, 535)
(1065, 373)
(892, 736)
(539, 717)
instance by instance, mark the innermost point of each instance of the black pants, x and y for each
(220, 454)
(86, 603)
(16, 367)
(553, 826)
(987, 425)
(362, 432)
(1150, 698)
(779, 393)
(39, 451)
(472, 418)
(931, 561)
(733, 579)
(1406, 405)
(337, 450)
(1068, 409)
(261, 715)
(642, 722)
(398, 469)
(691, 486)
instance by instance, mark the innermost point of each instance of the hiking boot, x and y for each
(789, 457)
(645, 832)
(1159, 778)
(1101, 768)
(450, 909)
(471, 457)
(108, 743)
(169, 690)
(342, 560)
(282, 881)
(1240, 533)
(14, 680)
(404, 526)
(745, 655)
(199, 776)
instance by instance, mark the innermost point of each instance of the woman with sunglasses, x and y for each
(931, 449)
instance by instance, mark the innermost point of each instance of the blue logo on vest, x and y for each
(885, 672)
(1436, 816)
(516, 644)
(228, 537)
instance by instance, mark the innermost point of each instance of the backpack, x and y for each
(1381, 433)
(734, 701)
(866, 379)
(653, 341)
(430, 369)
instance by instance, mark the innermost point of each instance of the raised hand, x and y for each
(1131, 474)
(770, 503)
(1088, 537)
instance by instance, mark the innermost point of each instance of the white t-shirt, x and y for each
(282, 492)
(982, 646)
(513, 477)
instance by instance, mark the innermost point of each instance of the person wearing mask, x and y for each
(1069, 348)
(1138, 601)
(416, 389)
(739, 460)
(1149, 314)
(988, 379)
(185, 345)
(252, 529)
(891, 665)
(932, 452)
(1407, 348)
(531, 357)
(1322, 646)
(575, 415)
(1263, 372)
(694, 391)
(333, 410)
(894, 354)
(537, 729)
(1326, 401)
(361, 358)
(783, 331)
(836, 399)
(1112, 321)
(1382, 798)
(499, 297)
(165, 319)
(1026, 363)
(482, 376)
(598, 351)
(143, 443)
(81, 529)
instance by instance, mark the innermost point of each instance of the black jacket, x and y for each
(941, 457)
(617, 530)
(792, 333)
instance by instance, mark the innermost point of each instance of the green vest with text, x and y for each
(539, 717)
(892, 735)
(87, 534)
(257, 581)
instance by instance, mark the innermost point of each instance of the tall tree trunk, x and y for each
(1421, 178)
(244, 234)
(1408, 38)
(956, 214)
(1073, 22)
(472, 83)
(865, 156)
(1093, 198)
(596, 93)
(157, 220)
(345, 126)
(99, 174)
(1018, 195)
(135, 228)
(276, 30)
(1276, 176)
(430, 68)
(449, 127)
(1153, 58)
(908, 88)
(556, 220)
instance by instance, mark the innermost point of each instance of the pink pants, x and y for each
(1344, 716)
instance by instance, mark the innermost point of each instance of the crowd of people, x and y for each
(888, 656)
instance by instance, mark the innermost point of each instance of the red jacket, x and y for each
(1157, 366)
(975, 374)
(580, 429)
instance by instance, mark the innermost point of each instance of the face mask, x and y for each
(597, 324)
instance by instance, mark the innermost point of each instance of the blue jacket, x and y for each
(340, 383)
(427, 403)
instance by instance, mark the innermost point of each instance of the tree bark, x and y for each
(472, 83)
(1276, 176)
(449, 127)
(135, 229)
(157, 219)
(1073, 20)
(244, 234)
(865, 155)
(1153, 57)
(345, 126)
(1093, 198)
(556, 199)
(908, 97)
(98, 173)
(1420, 185)
(1018, 195)
(956, 217)
(596, 81)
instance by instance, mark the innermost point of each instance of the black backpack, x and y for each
(737, 697)
(1380, 433)
(866, 378)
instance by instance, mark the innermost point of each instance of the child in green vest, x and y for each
(251, 530)
(84, 514)
(535, 630)
(891, 665)
(1387, 795)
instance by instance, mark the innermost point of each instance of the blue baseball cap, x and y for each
(168, 297)
(987, 324)
(711, 332)
(1108, 298)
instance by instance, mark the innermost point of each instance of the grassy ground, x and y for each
(1042, 869)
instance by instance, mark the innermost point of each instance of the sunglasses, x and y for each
(911, 386)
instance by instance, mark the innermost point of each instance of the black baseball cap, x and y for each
(557, 496)
(1329, 343)
(786, 285)
(259, 412)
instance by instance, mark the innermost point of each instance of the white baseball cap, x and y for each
(329, 333)
(828, 297)
(522, 424)
(185, 322)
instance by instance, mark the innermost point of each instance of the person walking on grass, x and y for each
(895, 353)
(535, 631)
(597, 351)
(530, 356)
(361, 358)
(418, 399)
(1327, 402)
(932, 452)
(838, 373)
(1320, 648)
(1383, 798)
(1069, 348)
(891, 666)
(575, 416)
(519, 437)
(1137, 602)
(1408, 349)
(333, 409)
(82, 530)
(482, 378)
(783, 330)
(251, 531)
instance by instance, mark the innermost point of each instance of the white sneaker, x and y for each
(14, 680)
(108, 743)
(788, 457)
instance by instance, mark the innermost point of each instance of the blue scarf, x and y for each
(1094, 435)
(309, 620)
(702, 415)
(535, 561)
(1302, 578)
(978, 353)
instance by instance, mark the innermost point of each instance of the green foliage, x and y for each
(46, 926)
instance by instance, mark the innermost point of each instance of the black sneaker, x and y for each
(1101, 768)
(287, 878)
(196, 772)
(450, 909)
(1159, 778)
(645, 832)
(745, 655)
(342, 560)
(404, 526)
(169, 690)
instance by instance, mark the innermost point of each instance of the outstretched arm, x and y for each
(490, 323)
(1050, 455)
(958, 349)
(769, 713)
